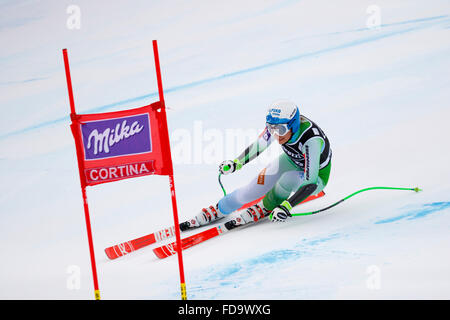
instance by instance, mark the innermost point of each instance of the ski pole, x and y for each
(225, 168)
(221, 185)
(416, 189)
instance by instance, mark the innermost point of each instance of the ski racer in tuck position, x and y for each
(302, 169)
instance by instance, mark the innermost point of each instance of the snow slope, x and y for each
(381, 94)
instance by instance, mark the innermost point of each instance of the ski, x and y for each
(124, 248)
(170, 249)
(127, 247)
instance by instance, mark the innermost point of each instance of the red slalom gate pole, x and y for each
(171, 180)
(91, 245)
(83, 186)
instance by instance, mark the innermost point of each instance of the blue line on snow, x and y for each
(242, 71)
(267, 258)
(423, 211)
(271, 257)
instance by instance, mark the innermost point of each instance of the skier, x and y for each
(303, 169)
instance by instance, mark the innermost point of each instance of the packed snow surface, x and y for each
(373, 75)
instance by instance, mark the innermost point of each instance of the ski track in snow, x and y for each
(362, 86)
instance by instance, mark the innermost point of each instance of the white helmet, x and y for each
(282, 116)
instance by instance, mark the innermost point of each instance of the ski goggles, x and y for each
(279, 129)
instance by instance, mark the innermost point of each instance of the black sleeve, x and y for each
(302, 193)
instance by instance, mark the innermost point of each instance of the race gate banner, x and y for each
(119, 145)
(124, 144)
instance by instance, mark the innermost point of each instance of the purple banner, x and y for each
(116, 137)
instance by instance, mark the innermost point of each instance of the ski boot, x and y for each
(253, 213)
(206, 216)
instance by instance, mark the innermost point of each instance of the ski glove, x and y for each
(282, 212)
(229, 166)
